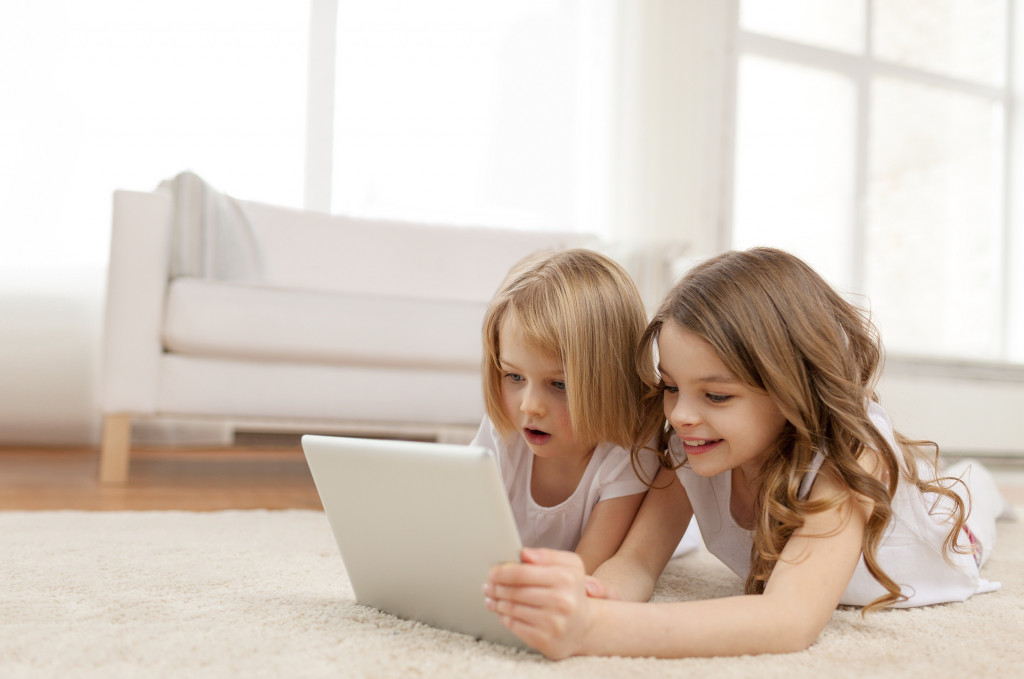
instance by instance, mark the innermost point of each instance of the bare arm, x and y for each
(544, 600)
(653, 537)
(607, 526)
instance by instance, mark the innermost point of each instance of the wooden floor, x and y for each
(254, 477)
(196, 480)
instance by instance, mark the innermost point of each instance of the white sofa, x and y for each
(249, 313)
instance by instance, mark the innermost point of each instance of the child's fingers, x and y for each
(538, 636)
(526, 612)
(598, 589)
(518, 575)
(514, 575)
(549, 598)
(540, 567)
(526, 604)
(543, 556)
(556, 587)
(541, 599)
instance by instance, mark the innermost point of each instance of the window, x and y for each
(121, 94)
(479, 112)
(873, 138)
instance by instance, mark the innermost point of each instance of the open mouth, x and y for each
(535, 436)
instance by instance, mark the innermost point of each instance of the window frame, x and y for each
(862, 69)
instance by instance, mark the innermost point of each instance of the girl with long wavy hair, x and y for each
(763, 410)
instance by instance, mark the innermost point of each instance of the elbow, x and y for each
(795, 641)
(795, 631)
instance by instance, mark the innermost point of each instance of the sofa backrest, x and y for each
(314, 251)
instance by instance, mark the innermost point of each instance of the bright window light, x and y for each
(116, 94)
(472, 111)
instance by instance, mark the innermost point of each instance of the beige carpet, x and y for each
(264, 594)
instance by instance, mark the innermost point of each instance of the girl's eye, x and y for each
(515, 377)
(558, 384)
(718, 398)
(670, 389)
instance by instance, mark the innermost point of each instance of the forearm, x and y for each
(549, 603)
(652, 538)
(634, 570)
(751, 624)
(799, 600)
(606, 528)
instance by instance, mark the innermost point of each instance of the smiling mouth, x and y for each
(698, 446)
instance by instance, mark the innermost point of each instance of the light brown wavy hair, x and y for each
(581, 308)
(782, 330)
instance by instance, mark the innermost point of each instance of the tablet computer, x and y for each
(418, 526)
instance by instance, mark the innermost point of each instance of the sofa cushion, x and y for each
(329, 253)
(234, 320)
(304, 392)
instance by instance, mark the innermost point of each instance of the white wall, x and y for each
(981, 415)
(50, 325)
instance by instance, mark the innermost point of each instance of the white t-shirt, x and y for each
(910, 551)
(609, 474)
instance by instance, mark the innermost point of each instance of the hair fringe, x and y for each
(582, 308)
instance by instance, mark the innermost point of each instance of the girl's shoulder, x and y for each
(611, 462)
(879, 417)
(607, 454)
(510, 453)
(871, 461)
(488, 436)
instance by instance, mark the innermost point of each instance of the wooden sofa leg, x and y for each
(116, 448)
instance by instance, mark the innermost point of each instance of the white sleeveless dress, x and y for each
(609, 475)
(910, 550)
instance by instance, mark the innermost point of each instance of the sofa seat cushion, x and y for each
(243, 321)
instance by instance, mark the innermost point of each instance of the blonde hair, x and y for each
(782, 330)
(581, 308)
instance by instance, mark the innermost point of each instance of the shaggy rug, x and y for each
(264, 594)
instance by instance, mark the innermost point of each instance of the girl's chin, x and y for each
(705, 470)
(704, 464)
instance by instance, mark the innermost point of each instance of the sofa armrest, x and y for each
(137, 280)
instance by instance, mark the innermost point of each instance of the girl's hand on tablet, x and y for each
(545, 600)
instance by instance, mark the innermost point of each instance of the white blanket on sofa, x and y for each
(211, 236)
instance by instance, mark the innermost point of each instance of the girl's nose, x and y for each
(532, 403)
(683, 414)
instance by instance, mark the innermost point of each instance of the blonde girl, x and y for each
(771, 435)
(562, 400)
